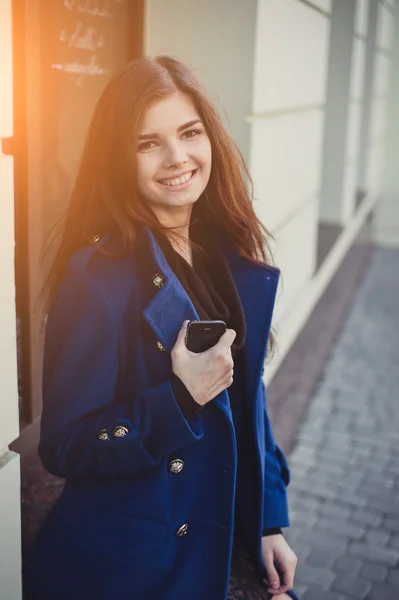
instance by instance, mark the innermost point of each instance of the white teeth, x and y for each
(179, 180)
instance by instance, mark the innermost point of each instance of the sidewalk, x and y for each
(344, 494)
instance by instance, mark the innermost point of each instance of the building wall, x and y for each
(10, 528)
(387, 214)
(305, 91)
(218, 43)
(378, 71)
(321, 75)
(287, 133)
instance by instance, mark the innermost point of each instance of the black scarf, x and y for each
(209, 282)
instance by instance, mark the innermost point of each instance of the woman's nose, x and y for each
(175, 156)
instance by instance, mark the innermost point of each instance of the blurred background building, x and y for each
(309, 90)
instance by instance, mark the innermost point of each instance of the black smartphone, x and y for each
(202, 335)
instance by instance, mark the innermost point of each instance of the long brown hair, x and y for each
(105, 195)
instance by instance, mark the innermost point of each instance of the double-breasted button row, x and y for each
(119, 431)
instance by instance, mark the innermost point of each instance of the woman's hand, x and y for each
(276, 550)
(205, 374)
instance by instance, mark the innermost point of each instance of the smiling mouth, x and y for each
(177, 181)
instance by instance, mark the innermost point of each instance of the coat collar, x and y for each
(170, 306)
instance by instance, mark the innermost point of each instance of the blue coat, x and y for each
(147, 511)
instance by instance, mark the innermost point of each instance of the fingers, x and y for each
(272, 575)
(222, 383)
(287, 576)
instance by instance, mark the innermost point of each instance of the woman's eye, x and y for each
(191, 133)
(146, 146)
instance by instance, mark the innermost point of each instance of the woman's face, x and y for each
(173, 157)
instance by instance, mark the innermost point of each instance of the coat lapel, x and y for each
(256, 284)
(170, 306)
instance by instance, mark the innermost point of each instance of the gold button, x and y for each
(183, 530)
(95, 239)
(158, 280)
(119, 431)
(161, 347)
(103, 435)
(176, 466)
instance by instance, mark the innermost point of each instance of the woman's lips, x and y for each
(179, 186)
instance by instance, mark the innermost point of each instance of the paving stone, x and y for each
(383, 591)
(332, 510)
(393, 576)
(353, 499)
(373, 572)
(385, 556)
(322, 557)
(314, 575)
(300, 590)
(378, 536)
(324, 540)
(348, 564)
(342, 528)
(351, 586)
(365, 517)
(317, 593)
(395, 542)
(331, 469)
(390, 507)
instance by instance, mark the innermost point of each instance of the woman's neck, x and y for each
(179, 234)
(181, 245)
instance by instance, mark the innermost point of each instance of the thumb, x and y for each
(272, 575)
(181, 336)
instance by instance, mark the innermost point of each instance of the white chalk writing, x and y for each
(81, 70)
(83, 38)
(94, 8)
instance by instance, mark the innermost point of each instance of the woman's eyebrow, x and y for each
(151, 136)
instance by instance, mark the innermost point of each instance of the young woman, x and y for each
(175, 488)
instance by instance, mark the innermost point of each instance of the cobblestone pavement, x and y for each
(344, 494)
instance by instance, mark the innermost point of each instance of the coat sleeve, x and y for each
(79, 382)
(277, 478)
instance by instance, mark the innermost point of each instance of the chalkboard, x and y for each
(82, 43)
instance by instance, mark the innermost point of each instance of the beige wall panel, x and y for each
(325, 5)
(382, 73)
(378, 120)
(6, 84)
(285, 163)
(10, 546)
(361, 18)
(349, 191)
(295, 253)
(353, 130)
(9, 423)
(358, 69)
(291, 56)
(374, 167)
(385, 28)
(217, 40)
(388, 214)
